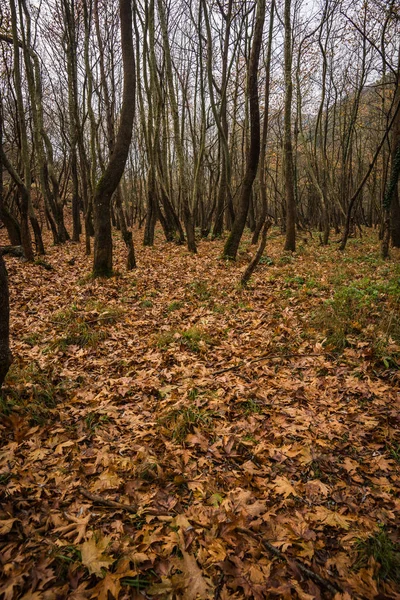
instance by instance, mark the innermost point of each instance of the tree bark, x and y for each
(233, 241)
(5, 354)
(102, 264)
(290, 241)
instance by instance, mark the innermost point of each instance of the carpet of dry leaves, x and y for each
(163, 431)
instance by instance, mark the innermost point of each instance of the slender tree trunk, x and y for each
(25, 191)
(261, 166)
(391, 198)
(233, 241)
(5, 354)
(187, 214)
(102, 264)
(290, 241)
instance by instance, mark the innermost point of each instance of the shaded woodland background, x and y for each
(237, 111)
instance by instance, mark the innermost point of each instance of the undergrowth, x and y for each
(178, 423)
(384, 551)
(29, 391)
(194, 339)
(366, 310)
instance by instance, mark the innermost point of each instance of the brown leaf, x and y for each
(93, 556)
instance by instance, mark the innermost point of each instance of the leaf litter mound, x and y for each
(167, 434)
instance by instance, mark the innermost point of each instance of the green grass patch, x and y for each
(366, 310)
(79, 334)
(178, 423)
(250, 407)
(146, 303)
(200, 290)
(29, 391)
(93, 420)
(175, 305)
(194, 339)
(384, 551)
(83, 326)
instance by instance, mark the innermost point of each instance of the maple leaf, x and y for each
(284, 487)
(93, 556)
(6, 525)
(329, 517)
(110, 584)
(77, 525)
(194, 582)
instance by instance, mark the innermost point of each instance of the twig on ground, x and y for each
(130, 508)
(267, 357)
(334, 588)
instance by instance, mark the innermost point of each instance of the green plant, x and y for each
(394, 451)
(285, 260)
(135, 582)
(175, 305)
(193, 393)
(385, 552)
(146, 304)
(366, 308)
(178, 423)
(295, 280)
(200, 290)
(79, 334)
(266, 260)
(251, 406)
(163, 340)
(30, 391)
(193, 338)
(32, 339)
(93, 420)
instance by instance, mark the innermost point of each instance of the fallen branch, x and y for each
(331, 587)
(130, 508)
(267, 357)
(17, 251)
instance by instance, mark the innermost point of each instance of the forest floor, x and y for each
(167, 434)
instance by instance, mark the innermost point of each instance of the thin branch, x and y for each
(130, 508)
(331, 587)
(268, 357)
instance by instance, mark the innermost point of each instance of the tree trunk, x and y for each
(233, 241)
(102, 264)
(290, 242)
(261, 166)
(5, 354)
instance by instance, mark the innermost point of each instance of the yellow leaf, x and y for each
(284, 487)
(93, 557)
(6, 526)
(331, 518)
